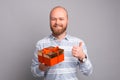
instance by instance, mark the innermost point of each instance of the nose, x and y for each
(57, 21)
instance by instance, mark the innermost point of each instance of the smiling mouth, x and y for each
(57, 25)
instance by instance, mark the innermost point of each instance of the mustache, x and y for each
(57, 25)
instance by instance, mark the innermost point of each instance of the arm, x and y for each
(35, 66)
(85, 67)
(80, 52)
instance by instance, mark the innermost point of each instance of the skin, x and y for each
(58, 22)
(58, 26)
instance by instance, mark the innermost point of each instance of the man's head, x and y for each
(58, 20)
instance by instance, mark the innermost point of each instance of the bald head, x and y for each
(59, 9)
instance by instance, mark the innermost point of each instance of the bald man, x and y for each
(75, 51)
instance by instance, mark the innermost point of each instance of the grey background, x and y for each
(24, 22)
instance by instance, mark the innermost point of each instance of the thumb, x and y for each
(80, 44)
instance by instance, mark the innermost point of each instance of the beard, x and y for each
(58, 29)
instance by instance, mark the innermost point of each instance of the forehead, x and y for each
(58, 12)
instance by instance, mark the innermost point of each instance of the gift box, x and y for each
(51, 55)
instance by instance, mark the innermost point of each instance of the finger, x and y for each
(43, 64)
(80, 44)
(74, 54)
(74, 47)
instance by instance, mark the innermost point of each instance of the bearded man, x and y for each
(75, 51)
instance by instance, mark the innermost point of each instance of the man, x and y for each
(75, 51)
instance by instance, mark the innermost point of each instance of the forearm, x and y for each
(35, 66)
(36, 71)
(86, 67)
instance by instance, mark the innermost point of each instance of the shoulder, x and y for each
(43, 40)
(75, 39)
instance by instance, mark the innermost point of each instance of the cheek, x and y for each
(52, 23)
(65, 22)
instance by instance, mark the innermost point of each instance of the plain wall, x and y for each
(24, 22)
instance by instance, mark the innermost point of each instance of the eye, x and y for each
(53, 19)
(61, 19)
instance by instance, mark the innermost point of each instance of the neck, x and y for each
(60, 37)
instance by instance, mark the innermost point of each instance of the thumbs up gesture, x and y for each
(77, 51)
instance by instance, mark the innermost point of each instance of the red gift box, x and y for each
(51, 55)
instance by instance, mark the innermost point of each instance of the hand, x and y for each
(77, 51)
(43, 67)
